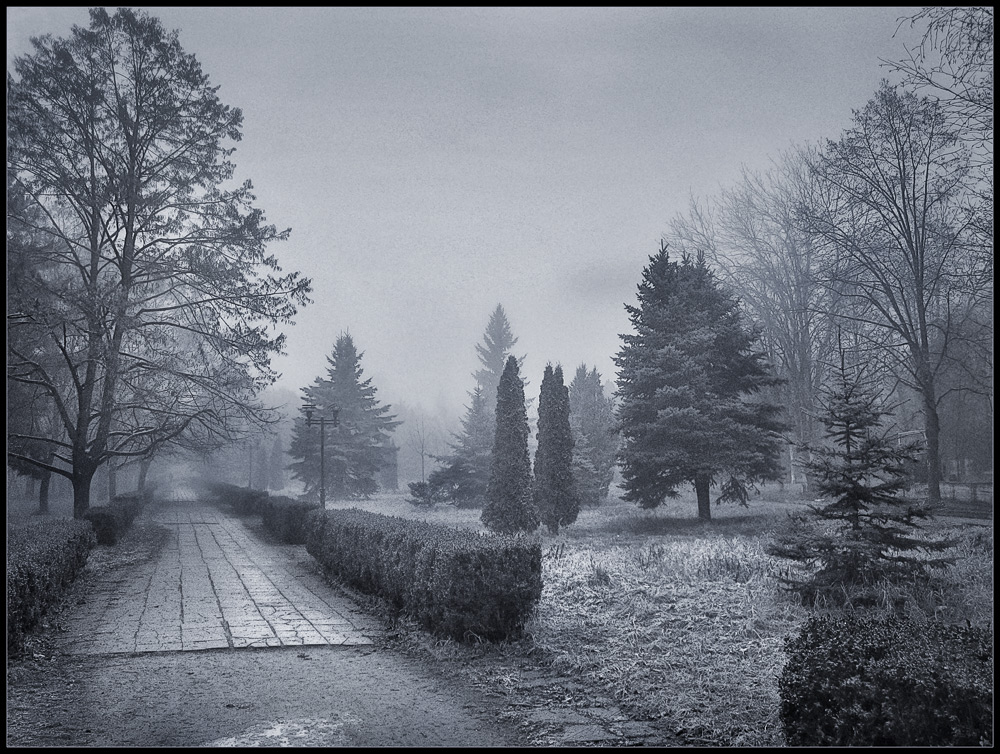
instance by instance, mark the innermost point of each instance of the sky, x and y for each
(434, 162)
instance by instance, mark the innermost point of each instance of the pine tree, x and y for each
(354, 447)
(464, 474)
(555, 489)
(509, 501)
(592, 418)
(685, 381)
(868, 531)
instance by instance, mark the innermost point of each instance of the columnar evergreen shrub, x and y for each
(853, 681)
(555, 488)
(510, 504)
(43, 557)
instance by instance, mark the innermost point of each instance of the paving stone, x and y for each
(637, 729)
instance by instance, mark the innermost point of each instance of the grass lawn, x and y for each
(682, 620)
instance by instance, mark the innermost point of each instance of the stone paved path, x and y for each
(215, 585)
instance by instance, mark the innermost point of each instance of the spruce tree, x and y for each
(354, 447)
(592, 418)
(868, 531)
(464, 473)
(687, 380)
(556, 497)
(509, 501)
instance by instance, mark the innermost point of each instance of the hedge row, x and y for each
(287, 519)
(455, 583)
(244, 500)
(111, 521)
(887, 682)
(43, 557)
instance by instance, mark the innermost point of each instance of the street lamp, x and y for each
(321, 420)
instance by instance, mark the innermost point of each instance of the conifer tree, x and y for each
(464, 476)
(555, 489)
(354, 447)
(465, 472)
(686, 380)
(509, 501)
(868, 531)
(592, 418)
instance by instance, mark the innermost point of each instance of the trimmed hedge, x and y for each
(287, 519)
(110, 522)
(887, 682)
(455, 583)
(43, 557)
(244, 500)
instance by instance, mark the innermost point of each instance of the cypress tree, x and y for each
(555, 489)
(592, 419)
(509, 501)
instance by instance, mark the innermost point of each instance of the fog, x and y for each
(433, 163)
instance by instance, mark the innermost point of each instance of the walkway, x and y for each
(215, 585)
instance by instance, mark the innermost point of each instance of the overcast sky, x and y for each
(433, 163)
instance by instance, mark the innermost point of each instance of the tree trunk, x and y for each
(43, 493)
(112, 481)
(932, 426)
(82, 478)
(702, 482)
(143, 470)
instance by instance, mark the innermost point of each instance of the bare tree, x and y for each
(158, 298)
(895, 240)
(753, 236)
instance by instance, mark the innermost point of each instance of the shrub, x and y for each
(110, 522)
(43, 557)
(455, 583)
(424, 494)
(887, 682)
(287, 519)
(245, 501)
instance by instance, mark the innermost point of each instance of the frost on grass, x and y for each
(688, 631)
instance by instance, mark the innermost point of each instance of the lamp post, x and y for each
(321, 420)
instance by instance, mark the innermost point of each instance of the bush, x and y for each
(455, 583)
(287, 519)
(110, 522)
(244, 500)
(43, 557)
(424, 494)
(887, 682)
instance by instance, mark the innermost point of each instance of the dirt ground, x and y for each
(407, 690)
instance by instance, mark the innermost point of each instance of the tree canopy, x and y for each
(356, 446)
(686, 382)
(152, 305)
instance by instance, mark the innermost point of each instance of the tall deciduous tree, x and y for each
(753, 236)
(158, 295)
(509, 502)
(556, 498)
(895, 236)
(592, 419)
(686, 385)
(356, 447)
